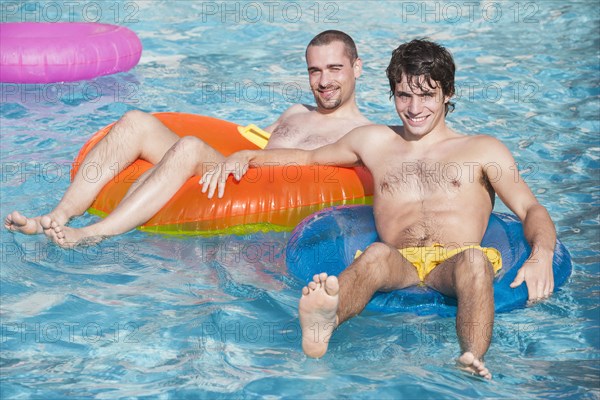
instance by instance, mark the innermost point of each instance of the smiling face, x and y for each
(332, 75)
(421, 107)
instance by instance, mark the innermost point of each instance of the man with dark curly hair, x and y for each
(434, 193)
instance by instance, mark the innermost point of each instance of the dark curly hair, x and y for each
(422, 57)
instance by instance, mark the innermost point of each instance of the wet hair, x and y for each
(327, 37)
(424, 58)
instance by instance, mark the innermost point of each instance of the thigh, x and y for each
(459, 270)
(392, 269)
(403, 273)
(158, 139)
(442, 276)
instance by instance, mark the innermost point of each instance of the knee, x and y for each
(473, 266)
(134, 117)
(189, 146)
(376, 255)
(131, 121)
(188, 153)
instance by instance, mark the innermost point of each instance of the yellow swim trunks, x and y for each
(255, 135)
(425, 259)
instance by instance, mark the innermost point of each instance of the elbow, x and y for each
(537, 209)
(307, 157)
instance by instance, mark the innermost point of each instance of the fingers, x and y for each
(547, 287)
(519, 279)
(209, 181)
(216, 179)
(205, 180)
(538, 287)
(540, 290)
(221, 181)
(218, 183)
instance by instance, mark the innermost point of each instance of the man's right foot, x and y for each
(469, 363)
(317, 309)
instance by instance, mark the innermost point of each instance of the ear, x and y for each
(357, 67)
(448, 97)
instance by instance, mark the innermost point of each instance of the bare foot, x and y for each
(317, 309)
(67, 237)
(469, 363)
(17, 222)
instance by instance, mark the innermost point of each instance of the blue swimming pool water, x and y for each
(149, 316)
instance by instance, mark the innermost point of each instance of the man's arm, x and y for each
(537, 225)
(340, 153)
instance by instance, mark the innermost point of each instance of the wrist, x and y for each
(542, 253)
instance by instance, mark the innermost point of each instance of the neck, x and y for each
(438, 133)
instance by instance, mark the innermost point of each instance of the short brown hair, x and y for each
(326, 37)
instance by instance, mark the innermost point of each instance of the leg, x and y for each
(135, 135)
(184, 160)
(469, 278)
(327, 302)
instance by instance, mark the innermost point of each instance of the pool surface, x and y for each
(152, 316)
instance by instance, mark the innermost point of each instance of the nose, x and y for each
(324, 79)
(415, 106)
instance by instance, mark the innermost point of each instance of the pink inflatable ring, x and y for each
(65, 51)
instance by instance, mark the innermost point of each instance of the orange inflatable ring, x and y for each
(274, 198)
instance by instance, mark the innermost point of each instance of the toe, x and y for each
(332, 286)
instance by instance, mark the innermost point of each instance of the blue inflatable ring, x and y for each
(327, 241)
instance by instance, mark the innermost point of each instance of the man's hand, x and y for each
(237, 165)
(537, 273)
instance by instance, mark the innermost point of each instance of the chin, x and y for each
(330, 105)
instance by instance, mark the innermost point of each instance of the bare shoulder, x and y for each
(375, 129)
(297, 114)
(371, 135)
(488, 147)
(485, 142)
(297, 109)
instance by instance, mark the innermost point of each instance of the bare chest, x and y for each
(425, 178)
(309, 135)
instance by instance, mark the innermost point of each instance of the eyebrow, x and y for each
(423, 92)
(328, 66)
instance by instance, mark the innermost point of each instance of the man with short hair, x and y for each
(430, 223)
(333, 67)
